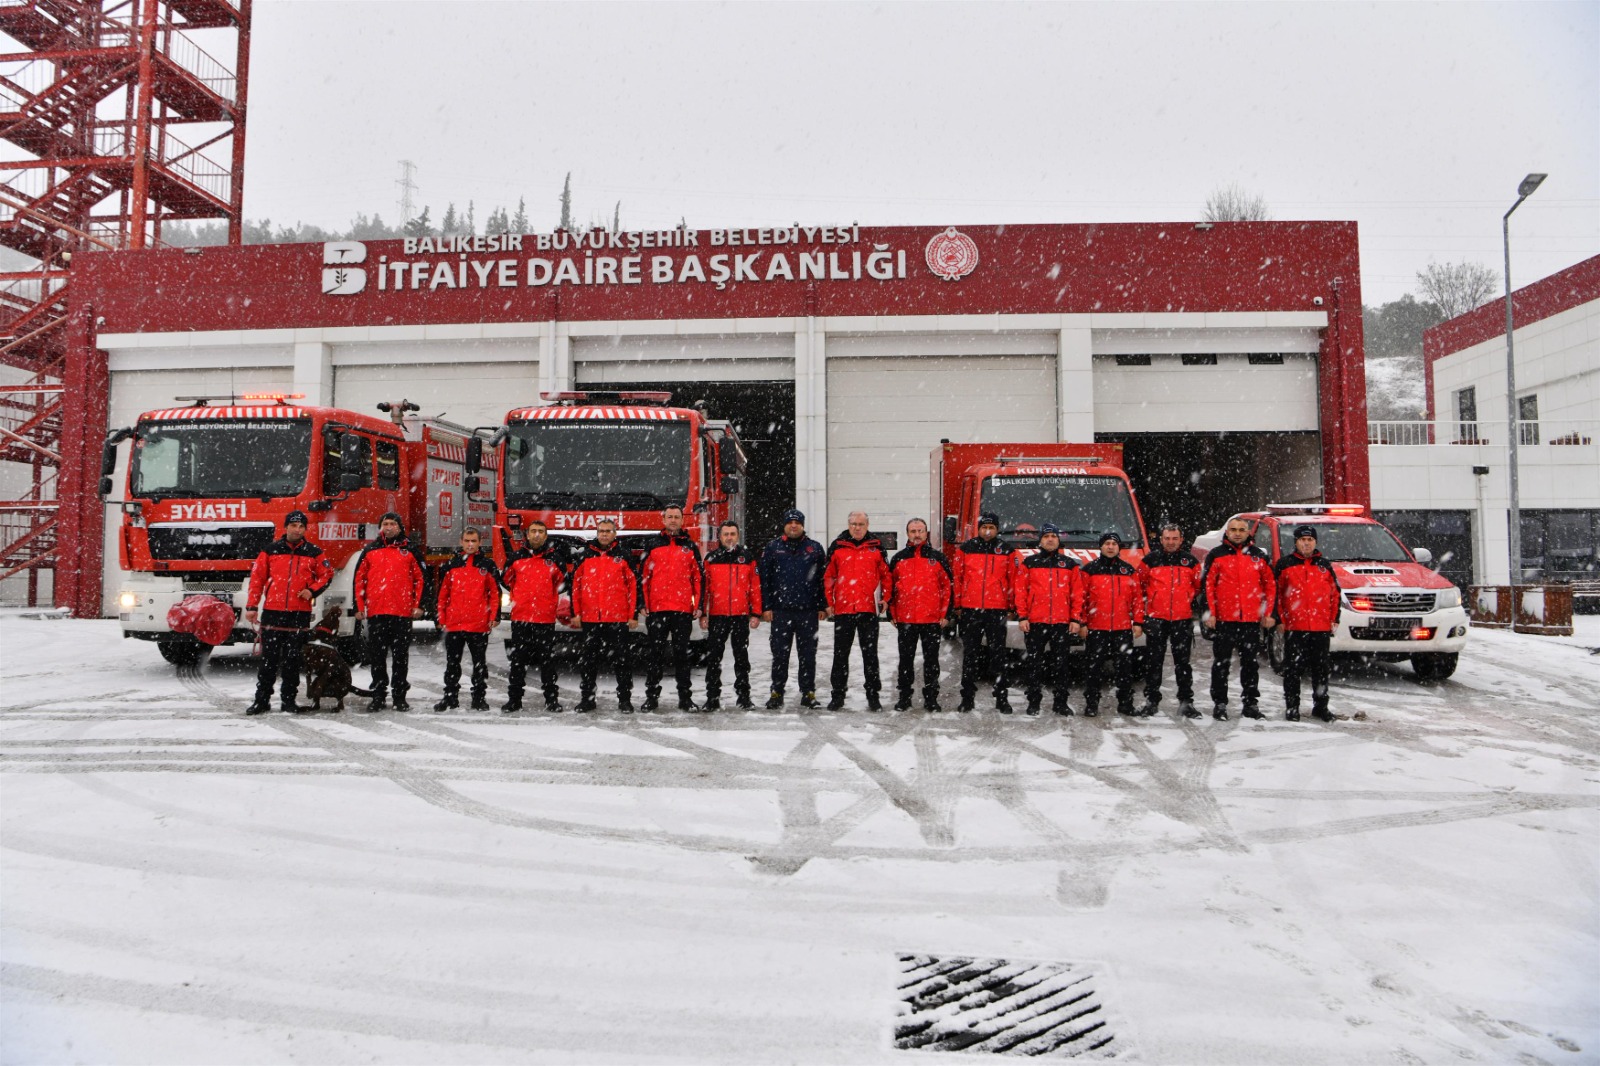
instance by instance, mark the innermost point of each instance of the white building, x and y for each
(1444, 483)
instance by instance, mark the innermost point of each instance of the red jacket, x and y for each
(856, 571)
(670, 574)
(1239, 583)
(732, 587)
(604, 588)
(1308, 593)
(1171, 583)
(534, 579)
(922, 582)
(469, 594)
(388, 578)
(1111, 597)
(282, 572)
(1049, 588)
(984, 575)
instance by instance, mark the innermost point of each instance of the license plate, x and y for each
(1393, 623)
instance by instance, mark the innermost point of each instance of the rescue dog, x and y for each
(327, 674)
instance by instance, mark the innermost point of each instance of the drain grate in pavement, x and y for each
(1004, 1007)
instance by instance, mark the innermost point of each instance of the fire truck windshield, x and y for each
(571, 463)
(210, 458)
(1347, 542)
(1084, 507)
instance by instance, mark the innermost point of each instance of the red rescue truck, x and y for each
(209, 483)
(1081, 488)
(586, 456)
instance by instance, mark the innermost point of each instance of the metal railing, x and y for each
(182, 50)
(1536, 431)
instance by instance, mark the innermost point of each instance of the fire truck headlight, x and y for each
(1450, 597)
(128, 600)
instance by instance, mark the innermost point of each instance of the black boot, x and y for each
(809, 701)
(1220, 712)
(1322, 716)
(1251, 712)
(836, 703)
(376, 705)
(448, 703)
(775, 701)
(511, 707)
(1292, 714)
(260, 706)
(1188, 710)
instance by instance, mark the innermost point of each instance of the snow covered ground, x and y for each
(183, 884)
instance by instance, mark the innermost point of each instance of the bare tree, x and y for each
(1231, 203)
(1457, 287)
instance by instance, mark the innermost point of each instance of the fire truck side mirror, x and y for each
(474, 456)
(471, 483)
(730, 485)
(949, 529)
(727, 460)
(105, 487)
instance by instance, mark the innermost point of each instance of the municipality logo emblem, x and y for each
(342, 274)
(951, 254)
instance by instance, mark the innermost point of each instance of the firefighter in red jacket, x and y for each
(388, 591)
(1111, 610)
(605, 602)
(1049, 588)
(671, 580)
(983, 568)
(730, 609)
(1240, 591)
(287, 576)
(469, 606)
(919, 605)
(534, 576)
(1171, 578)
(1308, 609)
(856, 572)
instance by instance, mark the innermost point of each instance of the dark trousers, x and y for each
(1109, 649)
(669, 642)
(927, 634)
(1245, 638)
(983, 651)
(723, 630)
(1304, 652)
(282, 652)
(531, 643)
(389, 635)
(605, 642)
(798, 628)
(1159, 634)
(1047, 658)
(847, 628)
(478, 645)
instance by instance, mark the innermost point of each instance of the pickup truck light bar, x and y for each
(1004, 459)
(1344, 509)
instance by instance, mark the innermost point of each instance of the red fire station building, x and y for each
(1227, 358)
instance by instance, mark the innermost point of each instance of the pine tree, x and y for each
(616, 218)
(566, 205)
(451, 222)
(472, 223)
(519, 221)
(418, 226)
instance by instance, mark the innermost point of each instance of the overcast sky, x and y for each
(1416, 120)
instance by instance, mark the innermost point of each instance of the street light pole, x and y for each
(1525, 190)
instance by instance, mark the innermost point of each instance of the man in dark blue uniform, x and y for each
(791, 591)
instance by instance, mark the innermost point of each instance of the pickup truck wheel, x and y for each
(1434, 666)
(1275, 649)
(180, 652)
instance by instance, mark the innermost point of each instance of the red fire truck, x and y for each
(586, 456)
(209, 483)
(1079, 487)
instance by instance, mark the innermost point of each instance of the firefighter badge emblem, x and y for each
(952, 254)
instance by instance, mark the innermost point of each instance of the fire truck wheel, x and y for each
(1434, 666)
(354, 647)
(180, 652)
(1275, 649)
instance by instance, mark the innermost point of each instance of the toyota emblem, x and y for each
(1394, 597)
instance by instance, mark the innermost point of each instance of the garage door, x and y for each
(885, 415)
(468, 394)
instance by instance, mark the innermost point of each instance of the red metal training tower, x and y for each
(88, 110)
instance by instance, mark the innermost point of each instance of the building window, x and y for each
(1528, 419)
(1467, 415)
(1266, 358)
(1197, 359)
(1133, 360)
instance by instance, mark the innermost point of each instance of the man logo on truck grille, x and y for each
(340, 275)
(952, 254)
